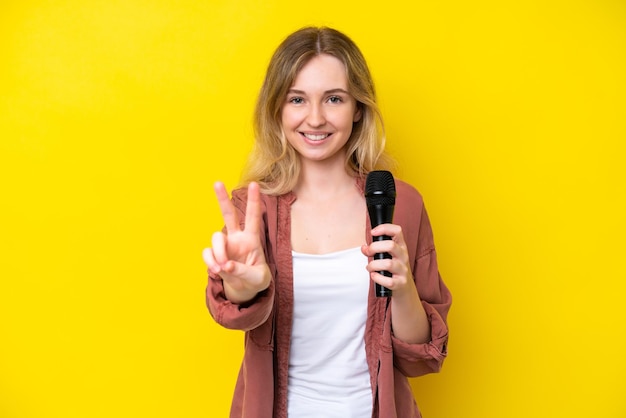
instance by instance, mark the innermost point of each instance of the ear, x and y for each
(358, 113)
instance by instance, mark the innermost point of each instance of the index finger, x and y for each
(392, 230)
(229, 213)
(253, 208)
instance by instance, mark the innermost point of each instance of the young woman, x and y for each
(294, 266)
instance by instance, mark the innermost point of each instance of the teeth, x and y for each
(316, 137)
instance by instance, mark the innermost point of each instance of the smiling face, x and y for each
(318, 112)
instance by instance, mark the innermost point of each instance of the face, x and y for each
(318, 112)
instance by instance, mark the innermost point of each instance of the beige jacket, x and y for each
(261, 389)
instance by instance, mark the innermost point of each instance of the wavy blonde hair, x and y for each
(273, 162)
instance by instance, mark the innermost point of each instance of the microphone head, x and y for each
(380, 188)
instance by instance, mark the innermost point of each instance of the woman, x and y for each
(294, 266)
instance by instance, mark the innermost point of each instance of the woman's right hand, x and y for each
(237, 256)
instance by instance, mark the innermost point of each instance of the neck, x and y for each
(324, 181)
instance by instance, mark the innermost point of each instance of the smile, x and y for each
(316, 137)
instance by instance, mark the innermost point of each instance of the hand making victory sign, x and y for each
(237, 256)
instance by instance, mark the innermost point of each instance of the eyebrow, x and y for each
(331, 91)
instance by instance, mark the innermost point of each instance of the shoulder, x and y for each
(240, 194)
(410, 212)
(407, 194)
(239, 197)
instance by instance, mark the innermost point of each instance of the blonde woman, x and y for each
(294, 266)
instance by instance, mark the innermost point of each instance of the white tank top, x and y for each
(328, 373)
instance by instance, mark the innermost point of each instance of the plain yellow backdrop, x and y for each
(117, 116)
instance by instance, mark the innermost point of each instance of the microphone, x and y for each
(380, 196)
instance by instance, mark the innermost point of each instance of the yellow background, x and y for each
(116, 117)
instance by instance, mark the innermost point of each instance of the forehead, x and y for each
(323, 71)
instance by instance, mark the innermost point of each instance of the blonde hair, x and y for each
(273, 162)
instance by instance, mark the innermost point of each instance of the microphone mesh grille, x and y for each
(380, 188)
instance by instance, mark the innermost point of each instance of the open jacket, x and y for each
(261, 389)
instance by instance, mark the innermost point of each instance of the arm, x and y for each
(238, 272)
(408, 318)
(420, 300)
(419, 359)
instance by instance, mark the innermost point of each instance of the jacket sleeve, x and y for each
(249, 315)
(419, 359)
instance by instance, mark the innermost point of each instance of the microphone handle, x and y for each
(382, 291)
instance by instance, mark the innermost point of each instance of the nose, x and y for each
(316, 117)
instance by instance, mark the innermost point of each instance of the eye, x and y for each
(296, 100)
(335, 99)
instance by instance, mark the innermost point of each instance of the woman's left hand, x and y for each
(401, 279)
(409, 322)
